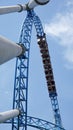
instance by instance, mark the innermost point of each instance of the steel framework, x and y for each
(20, 97)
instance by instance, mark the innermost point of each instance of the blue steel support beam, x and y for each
(42, 124)
(20, 96)
(39, 124)
(21, 83)
(52, 94)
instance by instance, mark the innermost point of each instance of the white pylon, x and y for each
(4, 116)
(18, 8)
(8, 50)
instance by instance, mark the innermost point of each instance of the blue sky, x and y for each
(57, 20)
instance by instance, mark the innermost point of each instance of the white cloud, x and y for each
(61, 27)
(70, 3)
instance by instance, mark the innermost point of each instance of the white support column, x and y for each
(4, 116)
(18, 8)
(8, 50)
(11, 9)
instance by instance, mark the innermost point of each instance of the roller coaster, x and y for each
(18, 116)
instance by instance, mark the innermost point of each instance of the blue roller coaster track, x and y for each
(20, 95)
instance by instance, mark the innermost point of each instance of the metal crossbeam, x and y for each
(39, 124)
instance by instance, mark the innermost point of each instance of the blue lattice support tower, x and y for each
(48, 69)
(21, 76)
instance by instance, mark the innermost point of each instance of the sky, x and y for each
(57, 19)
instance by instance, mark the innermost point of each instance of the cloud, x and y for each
(70, 3)
(61, 27)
